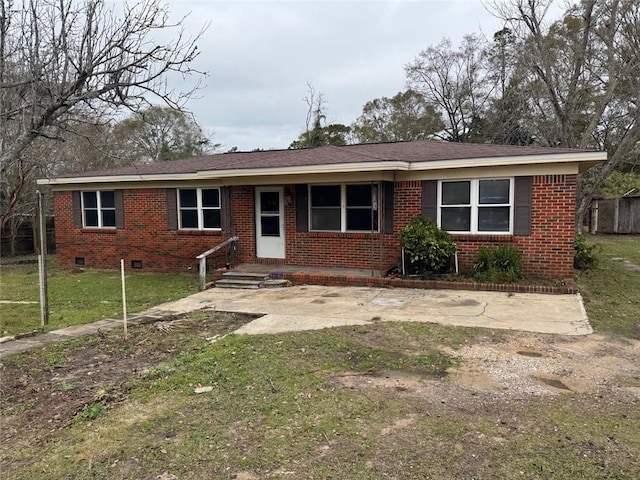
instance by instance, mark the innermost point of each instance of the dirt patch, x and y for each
(54, 385)
(628, 264)
(528, 364)
(395, 381)
(518, 366)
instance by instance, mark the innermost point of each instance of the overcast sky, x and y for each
(261, 54)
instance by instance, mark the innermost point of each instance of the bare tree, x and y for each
(314, 120)
(63, 61)
(456, 81)
(317, 132)
(584, 77)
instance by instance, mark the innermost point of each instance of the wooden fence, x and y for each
(24, 242)
(616, 215)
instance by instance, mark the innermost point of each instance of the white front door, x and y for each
(270, 222)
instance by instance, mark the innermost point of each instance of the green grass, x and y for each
(82, 296)
(324, 404)
(278, 409)
(610, 290)
(621, 246)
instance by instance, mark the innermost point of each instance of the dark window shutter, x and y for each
(119, 202)
(430, 199)
(172, 209)
(76, 207)
(522, 206)
(302, 208)
(225, 206)
(387, 192)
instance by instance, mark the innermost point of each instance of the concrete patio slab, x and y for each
(315, 307)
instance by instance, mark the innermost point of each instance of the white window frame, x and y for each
(98, 208)
(343, 205)
(474, 187)
(199, 208)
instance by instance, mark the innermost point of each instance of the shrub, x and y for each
(498, 264)
(584, 255)
(428, 247)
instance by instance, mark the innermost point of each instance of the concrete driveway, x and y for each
(316, 307)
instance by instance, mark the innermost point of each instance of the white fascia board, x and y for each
(309, 170)
(508, 161)
(237, 173)
(115, 179)
(376, 166)
(490, 172)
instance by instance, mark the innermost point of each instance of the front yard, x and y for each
(387, 400)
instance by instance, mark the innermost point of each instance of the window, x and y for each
(476, 206)
(326, 207)
(270, 214)
(343, 208)
(99, 209)
(199, 209)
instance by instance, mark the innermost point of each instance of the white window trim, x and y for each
(199, 208)
(475, 204)
(343, 206)
(98, 208)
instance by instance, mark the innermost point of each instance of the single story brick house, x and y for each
(323, 207)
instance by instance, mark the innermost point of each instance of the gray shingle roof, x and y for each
(415, 151)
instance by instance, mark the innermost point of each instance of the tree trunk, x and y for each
(581, 211)
(13, 235)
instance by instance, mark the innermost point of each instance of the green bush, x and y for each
(584, 255)
(498, 264)
(428, 247)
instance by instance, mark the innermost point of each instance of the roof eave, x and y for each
(233, 173)
(590, 158)
(583, 158)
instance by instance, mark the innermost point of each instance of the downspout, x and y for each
(232, 231)
(381, 231)
(371, 258)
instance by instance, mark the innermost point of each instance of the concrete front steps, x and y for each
(249, 281)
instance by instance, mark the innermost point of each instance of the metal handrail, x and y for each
(202, 259)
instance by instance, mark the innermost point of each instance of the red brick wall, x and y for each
(407, 203)
(244, 221)
(547, 252)
(144, 237)
(323, 249)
